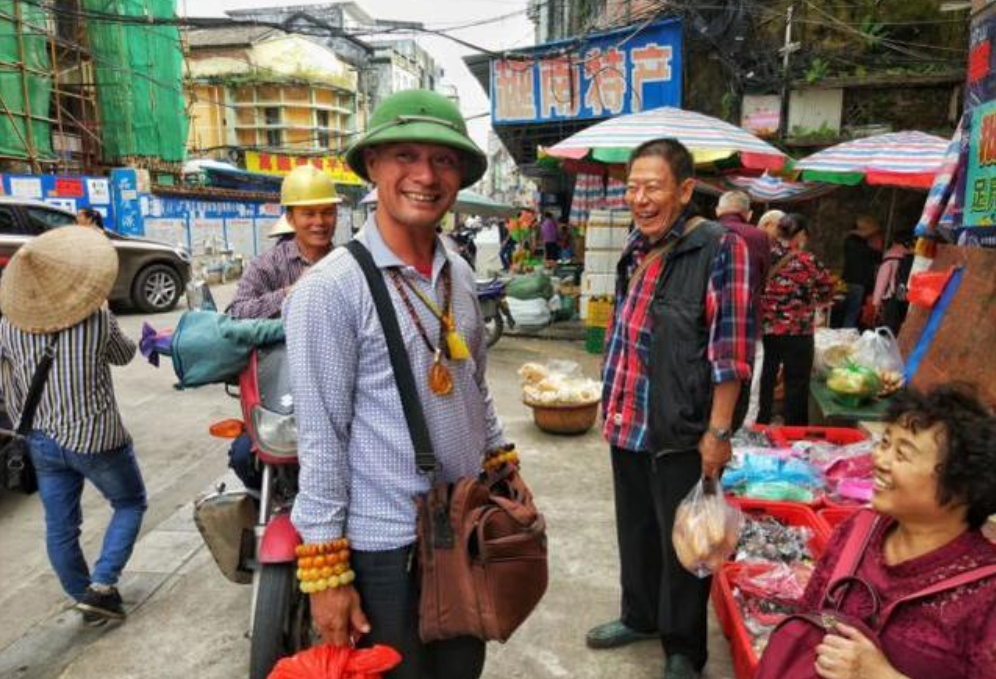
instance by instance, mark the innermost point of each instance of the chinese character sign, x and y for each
(605, 75)
(980, 184)
(280, 164)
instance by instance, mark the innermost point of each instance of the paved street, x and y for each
(187, 621)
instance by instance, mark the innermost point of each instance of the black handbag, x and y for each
(15, 457)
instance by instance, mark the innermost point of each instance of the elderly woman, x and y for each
(935, 486)
(797, 285)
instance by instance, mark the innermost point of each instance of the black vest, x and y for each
(680, 373)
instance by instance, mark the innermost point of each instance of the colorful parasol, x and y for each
(765, 189)
(709, 139)
(902, 159)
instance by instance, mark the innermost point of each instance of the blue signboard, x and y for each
(70, 193)
(603, 75)
(127, 206)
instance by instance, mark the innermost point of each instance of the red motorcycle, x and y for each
(279, 614)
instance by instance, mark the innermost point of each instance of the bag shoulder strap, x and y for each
(38, 381)
(855, 546)
(425, 456)
(663, 250)
(965, 578)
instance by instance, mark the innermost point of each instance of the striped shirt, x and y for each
(728, 314)
(261, 289)
(358, 475)
(77, 408)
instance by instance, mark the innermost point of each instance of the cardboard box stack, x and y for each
(605, 238)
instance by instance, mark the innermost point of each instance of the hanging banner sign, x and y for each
(603, 75)
(980, 182)
(281, 164)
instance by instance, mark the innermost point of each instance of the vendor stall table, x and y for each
(824, 409)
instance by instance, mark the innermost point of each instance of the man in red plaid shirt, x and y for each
(679, 347)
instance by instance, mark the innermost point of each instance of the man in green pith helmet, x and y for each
(359, 480)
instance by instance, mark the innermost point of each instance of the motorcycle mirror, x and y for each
(227, 429)
(199, 297)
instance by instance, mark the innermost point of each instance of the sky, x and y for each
(514, 31)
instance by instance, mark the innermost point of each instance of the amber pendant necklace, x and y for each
(440, 377)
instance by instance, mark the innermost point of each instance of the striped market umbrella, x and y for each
(709, 139)
(765, 189)
(902, 159)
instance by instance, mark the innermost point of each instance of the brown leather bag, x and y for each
(481, 541)
(482, 557)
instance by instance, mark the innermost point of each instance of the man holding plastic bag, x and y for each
(679, 347)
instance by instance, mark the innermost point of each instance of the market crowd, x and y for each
(695, 298)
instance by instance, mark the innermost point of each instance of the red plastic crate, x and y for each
(791, 514)
(841, 436)
(744, 659)
(719, 604)
(835, 515)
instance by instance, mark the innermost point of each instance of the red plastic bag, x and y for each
(337, 662)
(925, 288)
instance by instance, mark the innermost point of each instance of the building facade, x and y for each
(262, 89)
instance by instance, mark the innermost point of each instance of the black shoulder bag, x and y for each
(15, 456)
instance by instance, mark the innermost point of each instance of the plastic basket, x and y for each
(594, 340)
(841, 436)
(599, 313)
(837, 514)
(721, 606)
(745, 661)
(791, 514)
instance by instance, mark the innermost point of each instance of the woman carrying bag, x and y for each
(53, 298)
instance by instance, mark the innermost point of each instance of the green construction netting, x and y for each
(139, 81)
(28, 46)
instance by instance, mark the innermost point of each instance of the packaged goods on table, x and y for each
(764, 594)
(847, 470)
(771, 476)
(765, 538)
(832, 348)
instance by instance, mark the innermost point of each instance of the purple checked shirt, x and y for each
(261, 289)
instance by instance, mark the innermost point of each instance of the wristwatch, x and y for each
(720, 433)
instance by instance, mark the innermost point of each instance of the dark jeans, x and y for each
(551, 251)
(389, 591)
(61, 473)
(243, 463)
(506, 252)
(795, 352)
(852, 305)
(658, 594)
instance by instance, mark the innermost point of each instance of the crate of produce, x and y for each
(840, 436)
(745, 660)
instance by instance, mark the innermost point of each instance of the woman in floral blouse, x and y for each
(797, 285)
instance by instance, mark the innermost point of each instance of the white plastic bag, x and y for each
(706, 529)
(877, 349)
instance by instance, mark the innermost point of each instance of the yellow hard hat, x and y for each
(307, 185)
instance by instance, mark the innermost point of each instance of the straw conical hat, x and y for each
(281, 228)
(58, 279)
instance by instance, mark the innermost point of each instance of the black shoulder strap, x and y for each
(425, 457)
(38, 381)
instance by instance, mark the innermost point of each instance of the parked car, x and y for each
(151, 276)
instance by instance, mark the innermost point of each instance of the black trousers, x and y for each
(389, 591)
(657, 592)
(795, 352)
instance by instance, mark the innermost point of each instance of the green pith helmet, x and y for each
(307, 185)
(419, 116)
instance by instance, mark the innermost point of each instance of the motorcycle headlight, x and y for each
(275, 434)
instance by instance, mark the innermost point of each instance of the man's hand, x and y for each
(715, 455)
(338, 615)
(849, 654)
